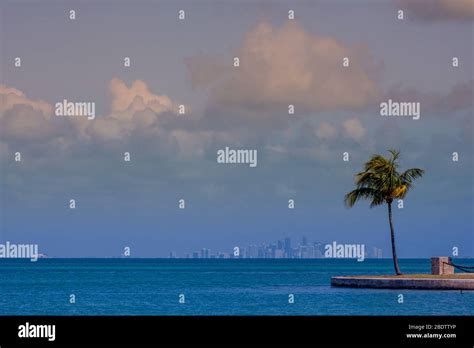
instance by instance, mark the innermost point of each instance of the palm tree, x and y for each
(381, 183)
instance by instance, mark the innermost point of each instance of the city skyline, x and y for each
(282, 249)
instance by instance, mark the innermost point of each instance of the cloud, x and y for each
(107, 128)
(457, 98)
(287, 65)
(9, 97)
(24, 123)
(22, 118)
(126, 101)
(326, 131)
(135, 114)
(432, 10)
(354, 129)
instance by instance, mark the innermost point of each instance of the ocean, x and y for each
(214, 287)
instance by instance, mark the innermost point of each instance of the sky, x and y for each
(190, 62)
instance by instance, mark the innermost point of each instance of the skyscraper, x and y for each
(304, 241)
(287, 248)
(280, 244)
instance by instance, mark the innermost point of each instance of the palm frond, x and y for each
(377, 200)
(410, 175)
(395, 155)
(359, 193)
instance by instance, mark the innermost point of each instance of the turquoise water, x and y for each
(213, 287)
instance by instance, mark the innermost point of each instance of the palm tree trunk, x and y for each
(392, 237)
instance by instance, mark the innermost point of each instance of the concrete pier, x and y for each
(414, 281)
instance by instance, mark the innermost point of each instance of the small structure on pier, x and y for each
(441, 265)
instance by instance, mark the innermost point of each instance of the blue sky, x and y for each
(174, 156)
